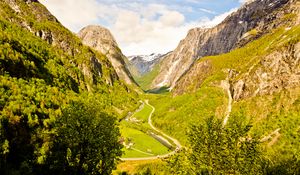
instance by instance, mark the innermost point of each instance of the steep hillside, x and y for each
(103, 41)
(43, 69)
(142, 64)
(33, 17)
(86, 69)
(258, 82)
(144, 68)
(262, 71)
(235, 31)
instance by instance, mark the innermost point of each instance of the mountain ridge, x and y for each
(220, 39)
(35, 18)
(291, 18)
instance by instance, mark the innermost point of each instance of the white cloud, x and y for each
(73, 14)
(207, 11)
(138, 28)
(245, 1)
(208, 23)
(193, 1)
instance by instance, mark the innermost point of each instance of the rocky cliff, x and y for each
(140, 65)
(250, 22)
(103, 41)
(94, 68)
(277, 71)
(269, 64)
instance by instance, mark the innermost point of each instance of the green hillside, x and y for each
(145, 81)
(45, 70)
(175, 114)
(64, 110)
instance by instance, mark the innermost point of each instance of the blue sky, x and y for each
(145, 26)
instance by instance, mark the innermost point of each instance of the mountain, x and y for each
(103, 41)
(144, 68)
(45, 68)
(257, 83)
(235, 31)
(146, 58)
(144, 63)
(275, 71)
(33, 17)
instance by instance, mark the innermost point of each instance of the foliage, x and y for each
(87, 141)
(268, 112)
(215, 149)
(156, 166)
(173, 115)
(44, 67)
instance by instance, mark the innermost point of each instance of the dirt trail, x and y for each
(175, 141)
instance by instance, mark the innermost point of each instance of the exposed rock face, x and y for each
(103, 41)
(195, 78)
(142, 64)
(278, 71)
(220, 39)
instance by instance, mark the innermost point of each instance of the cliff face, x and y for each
(233, 32)
(277, 71)
(273, 71)
(140, 65)
(94, 68)
(103, 41)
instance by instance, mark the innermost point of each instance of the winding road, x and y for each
(175, 141)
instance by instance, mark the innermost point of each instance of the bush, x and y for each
(87, 141)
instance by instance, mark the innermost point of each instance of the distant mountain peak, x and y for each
(146, 58)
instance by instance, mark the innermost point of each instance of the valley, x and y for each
(226, 100)
(145, 142)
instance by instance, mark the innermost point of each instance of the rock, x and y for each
(140, 65)
(193, 82)
(220, 39)
(34, 17)
(103, 41)
(237, 90)
(277, 71)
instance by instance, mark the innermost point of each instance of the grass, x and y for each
(142, 142)
(134, 167)
(143, 114)
(279, 110)
(137, 134)
(146, 80)
(174, 114)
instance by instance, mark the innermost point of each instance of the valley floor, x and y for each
(142, 140)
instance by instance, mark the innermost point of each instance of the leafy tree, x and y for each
(215, 149)
(87, 141)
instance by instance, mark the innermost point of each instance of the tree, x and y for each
(215, 149)
(87, 141)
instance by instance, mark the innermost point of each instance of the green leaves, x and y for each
(215, 149)
(87, 140)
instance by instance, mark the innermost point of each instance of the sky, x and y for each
(144, 26)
